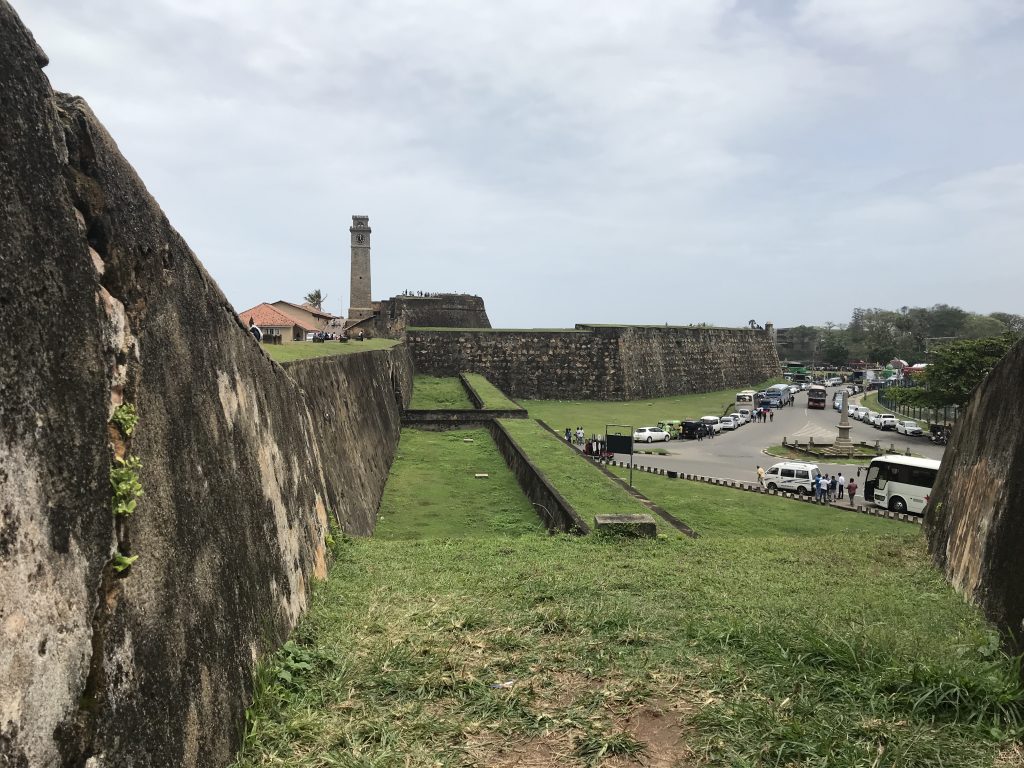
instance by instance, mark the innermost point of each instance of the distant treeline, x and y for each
(879, 335)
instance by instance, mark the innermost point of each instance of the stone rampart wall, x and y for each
(242, 461)
(446, 310)
(973, 521)
(598, 362)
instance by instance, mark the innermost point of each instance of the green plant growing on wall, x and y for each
(125, 480)
(125, 417)
(122, 563)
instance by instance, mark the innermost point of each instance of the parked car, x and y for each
(650, 435)
(885, 421)
(728, 422)
(909, 428)
(712, 422)
(860, 411)
(740, 417)
(791, 476)
(869, 417)
(746, 414)
(693, 427)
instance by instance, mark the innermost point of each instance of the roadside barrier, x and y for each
(754, 488)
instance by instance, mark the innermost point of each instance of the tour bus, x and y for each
(816, 396)
(900, 483)
(782, 390)
(745, 399)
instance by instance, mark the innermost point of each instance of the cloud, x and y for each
(549, 156)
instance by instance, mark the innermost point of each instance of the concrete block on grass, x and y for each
(629, 526)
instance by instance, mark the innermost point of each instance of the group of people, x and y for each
(762, 415)
(826, 488)
(592, 446)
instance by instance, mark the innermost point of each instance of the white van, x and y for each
(792, 477)
(712, 422)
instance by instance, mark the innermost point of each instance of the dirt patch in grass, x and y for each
(661, 728)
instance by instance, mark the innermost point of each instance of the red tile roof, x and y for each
(266, 316)
(308, 308)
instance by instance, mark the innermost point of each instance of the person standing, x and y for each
(833, 486)
(700, 433)
(841, 482)
(760, 475)
(817, 487)
(771, 415)
(851, 490)
(255, 330)
(568, 436)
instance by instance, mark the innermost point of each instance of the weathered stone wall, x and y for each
(101, 302)
(599, 362)
(445, 310)
(974, 520)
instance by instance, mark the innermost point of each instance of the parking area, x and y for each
(736, 453)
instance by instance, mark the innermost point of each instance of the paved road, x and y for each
(735, 455)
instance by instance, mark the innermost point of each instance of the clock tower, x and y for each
(360, 303)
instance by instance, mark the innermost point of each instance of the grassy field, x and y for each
(863, 456)
(303, 350)
(431, 392)
(582, 484)
(593, 415)
(742, 648)
(492, 397)
(432, 491)
(715, 512)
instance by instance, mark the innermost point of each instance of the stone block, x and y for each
(629, 526)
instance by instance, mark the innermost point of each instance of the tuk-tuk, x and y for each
(672, 426)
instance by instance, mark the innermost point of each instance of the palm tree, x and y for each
(316, 299)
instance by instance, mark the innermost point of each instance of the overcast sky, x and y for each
(579, 161)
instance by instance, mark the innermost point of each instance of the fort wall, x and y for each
(593, 362)
(243, 461)
(973, 521)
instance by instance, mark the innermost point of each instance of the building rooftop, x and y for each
(267, 316)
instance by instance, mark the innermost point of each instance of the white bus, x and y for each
(900, 483)
(745, 399)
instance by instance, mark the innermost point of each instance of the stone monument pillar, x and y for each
(360, 303)
(843, 441)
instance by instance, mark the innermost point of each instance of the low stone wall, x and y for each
(598, 362)
(103, 660)
(973, 520)
(445, 310)
(557, 513)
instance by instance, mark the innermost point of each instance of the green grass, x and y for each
(842, 650)
(492, 397)
(435, 392)
(432, 490)
(714, 511)
(495, 330)
(582, 484)
(863, 455)
(593, 415)
(304, 350)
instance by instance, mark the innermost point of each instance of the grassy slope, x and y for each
(432, 490)
(717, 512)
(429, 392)
(841, 650)
(593, 415)
(584, 486)
(493, 398)
(303, 350)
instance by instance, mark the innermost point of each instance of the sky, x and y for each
(584, 161)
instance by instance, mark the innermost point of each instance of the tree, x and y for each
(956, 369)
(982, 327)
(316, 299)
(1015, 323)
